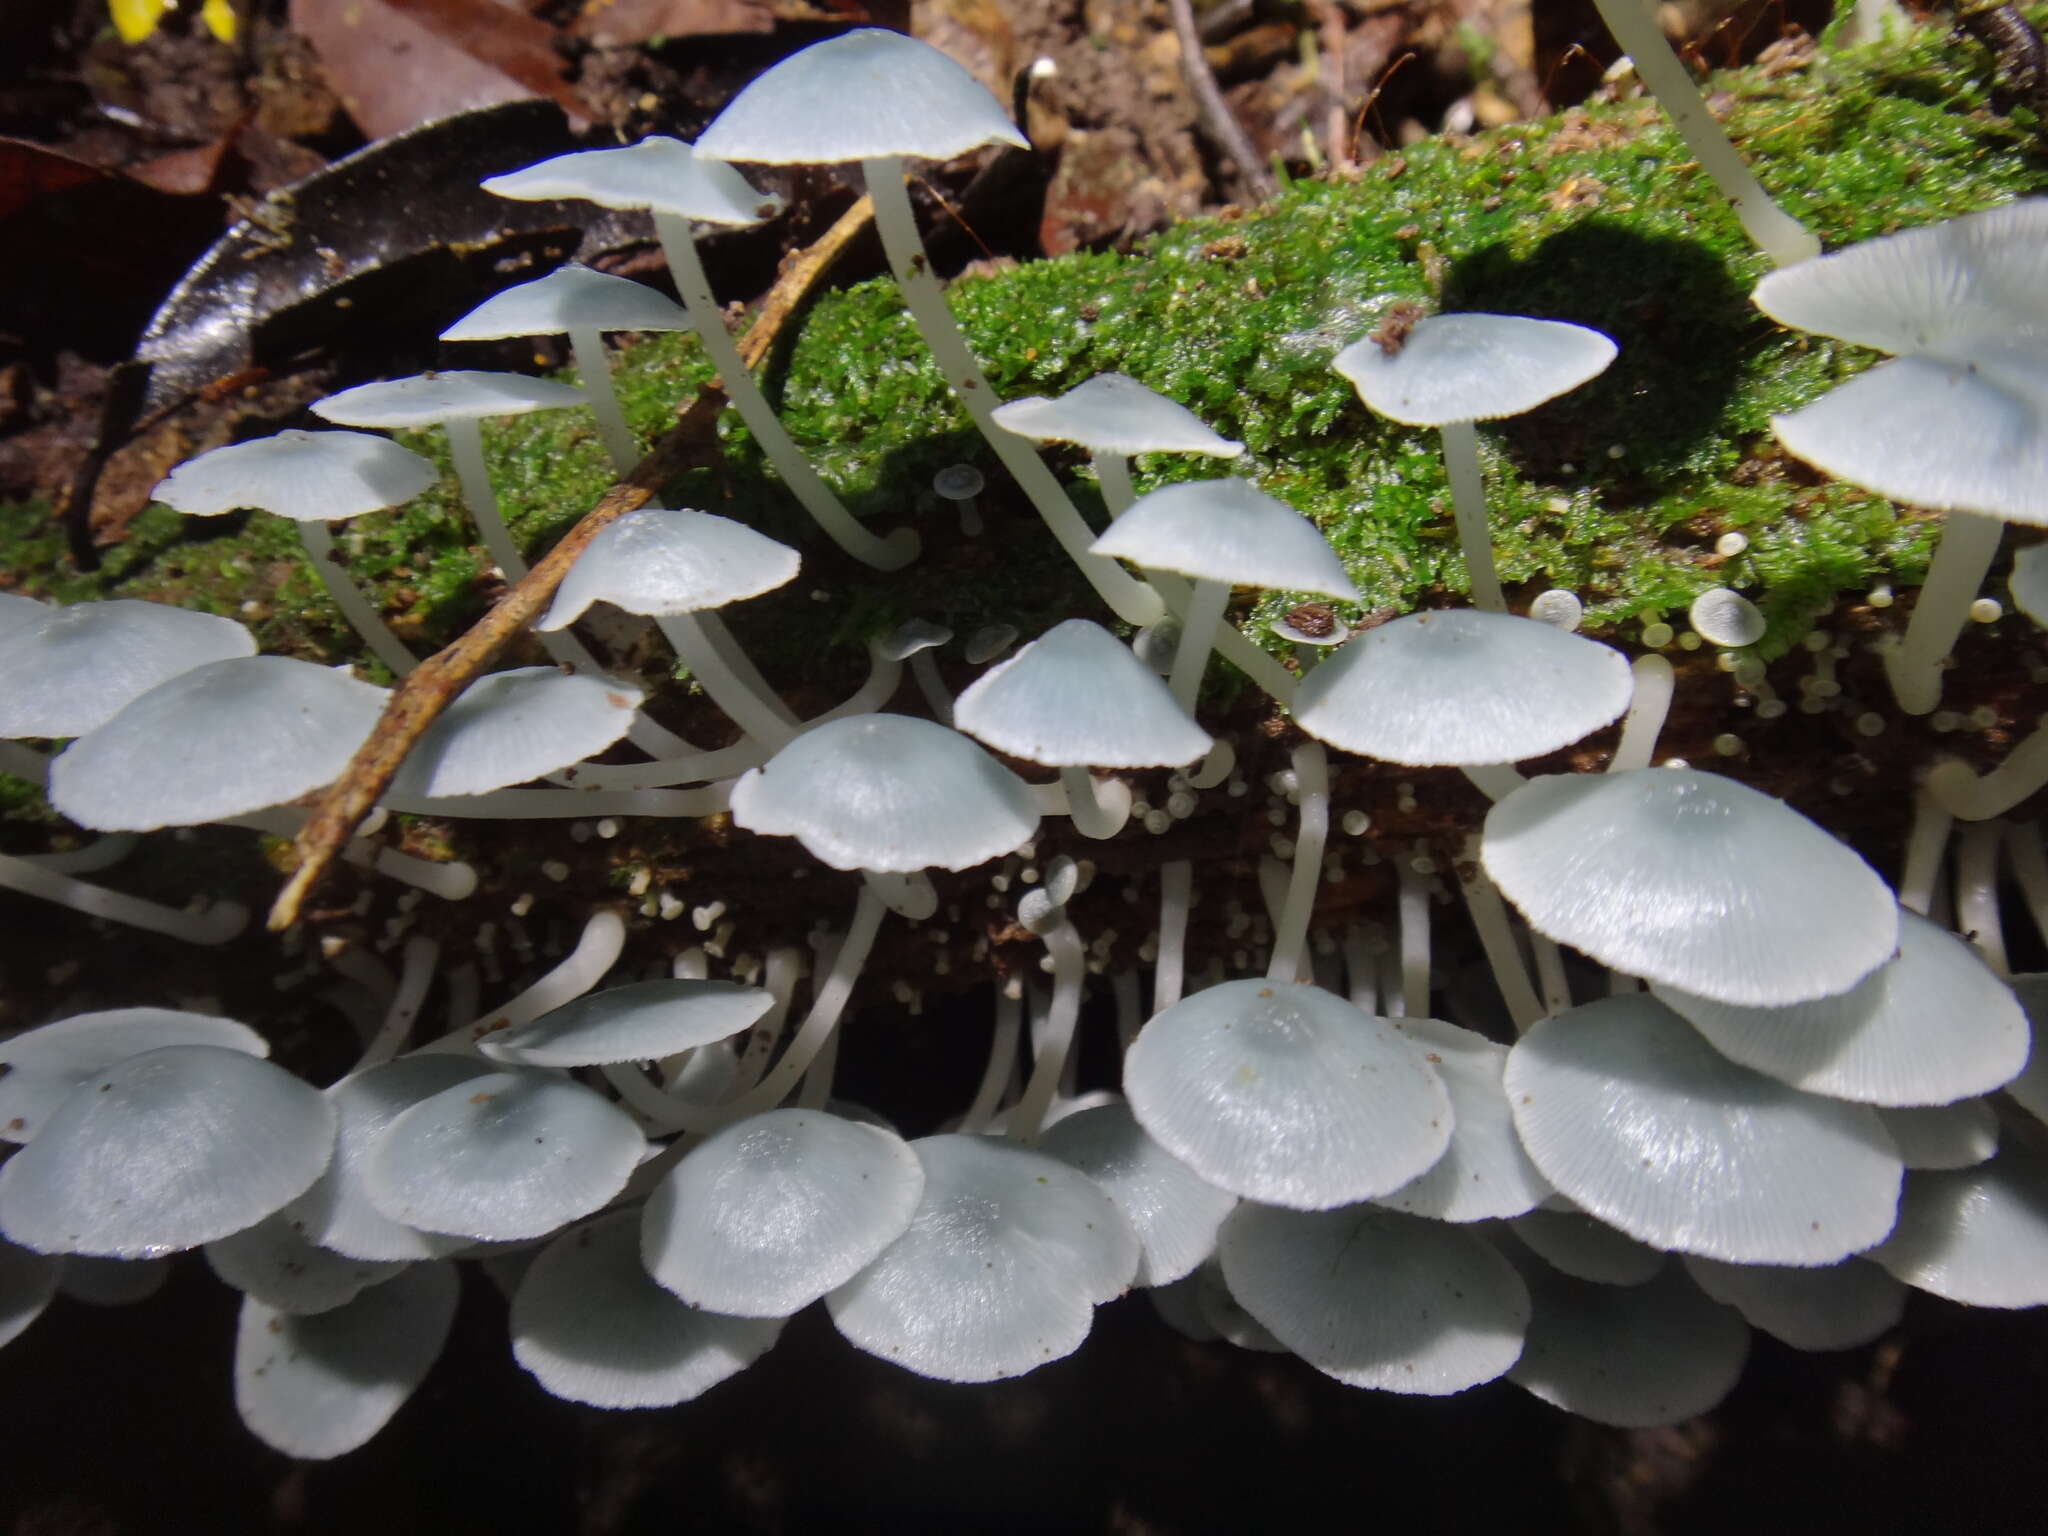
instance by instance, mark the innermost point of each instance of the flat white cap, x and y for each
(1076, 695)
(314, 477)
(1174, 1213)
(1636, 1118)
(220, 740)
(888, 793)
(1586, 1248)
(1485, 1174)
(1378, 1299)
(70, 670)
(1114, 413)
(514, 726)
(1456, 368)
(1942, 1136)
(642, 1021)
(860, 96)
(1461, 685)
(1227, 530)
(428, 399)
(659, 561)
(1693, 880)
(43, 1066)
(570, 298)
(1837, 1306)
(661, 174)
(1977, 1235)
(274, 1263)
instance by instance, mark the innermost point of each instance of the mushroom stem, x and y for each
(355, 608)
(593, 366)
(1496, 781)
(219, 923)
(1069, 965)
(924, 670)
(101, 853)
(1361, 971)
(1191, 656)
(816, 1091)
(1002, 1064)
(1503, 956)
(1130, 1017)
(1977, 916)
(1647, 707)
(1557, 987)
(415, 975)
(1468, 503)
(1098, 807)
(1113, 475)
(817, 498)
(1968, 797)
(1290, 933)
(1132, 600)
(2030, 868)
(1176, 888)
(753, 712)
(1414, 908)
(785, 966)
(1776, 233)
(1926, 841)
(552, 804)
(597, 950)
(1969, 544)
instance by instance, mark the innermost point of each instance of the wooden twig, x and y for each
(432, 686)
(1214, 111)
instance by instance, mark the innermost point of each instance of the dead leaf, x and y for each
(629, 23)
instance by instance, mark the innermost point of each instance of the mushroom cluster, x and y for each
(1720, 1076)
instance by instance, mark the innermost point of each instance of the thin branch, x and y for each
(1223, 128)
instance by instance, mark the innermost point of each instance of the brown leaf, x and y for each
(628, 23)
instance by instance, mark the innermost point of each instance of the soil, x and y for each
(120, 1421)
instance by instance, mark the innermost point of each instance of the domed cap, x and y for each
(570, 298)
(1638, 1358)
(1693, 880)
(428, 399)
(310, 476)
(1976, 1235)
(888, 793)
(1725, 617)
(1838, 1306)
(1485, 1174)
(40, 1068)
(1636, 1118)
(70, 670)
(770, 1213)
(657, 561)
(511, 1155)
(1008, 1254)
(318, 1387)
(1287, 1095)
(662, 174)
(163, 1151)
(1378, 1299)
(514, 726)
(1461, 685)
(1456, 368)
(220, 740)
(1075, 696)
(1930, 1026)
(1114, 413)
(593, 1328)
(1174, 1214)
(859, 96)
(1227, 530)
(642, 1021)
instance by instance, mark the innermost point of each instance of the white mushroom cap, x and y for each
(1649, 1355)
(428, 399)
(1009, 1253)
(887, 793)
(1074, 696)
(1174, 1214)
(1942, 1136)
(659, 173)
(318, 1387)
(1976, 1235)
(1725, 617)
(642, 1021)
(314, 477)
(1838, 1306)
(570, 298)
(40, 1068)
(514, 726)
(1693, 880)
(1114, 413)
(860, 96)
(70, 670)
(336, 1212)
(112, 1282)
(1586, 1248)
(163, 1151)
(770, 1213)
(594, 1328)
(658, 561)
(220, 740)
(1377, 1299)
(1485, 1174)
(1230, 531)
(2029, 583)
(273, 1262)
(17, 609)
(1460, 686)
(510, 1155)
(1636, 1118)
(1287, 1095)
(1456, 368)
(1930, 1026)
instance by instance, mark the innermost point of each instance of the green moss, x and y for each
(1617, 491)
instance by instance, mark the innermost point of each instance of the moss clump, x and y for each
(1617, 491)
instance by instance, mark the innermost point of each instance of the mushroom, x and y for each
(514, 726)
(1174, 1214)
(1978, 1236)
(1837, 1306)
(879, 97)
(1943, 1136)
(1484, 1175)
(40, 1068)
(1585, 1247)
(1450, 371)
(70, 670)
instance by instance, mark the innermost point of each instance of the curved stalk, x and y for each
(594, 367)
(1969, 544)
(219, 923)
(348, 597)
(1098, 807)
(1290, 932)
(1069, 966)
(1468, 504)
